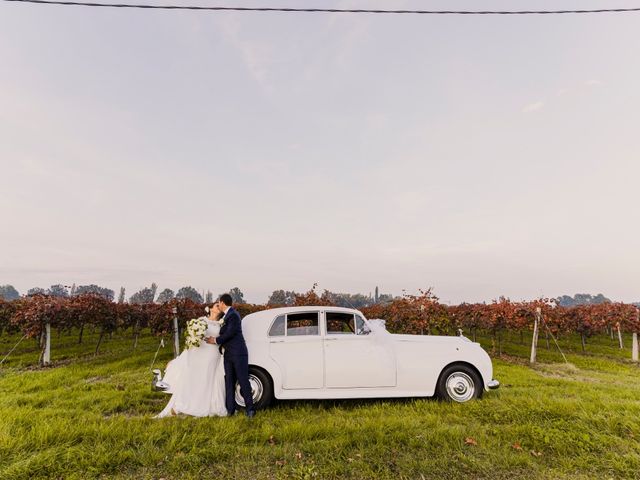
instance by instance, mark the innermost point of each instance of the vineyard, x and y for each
(30, 317)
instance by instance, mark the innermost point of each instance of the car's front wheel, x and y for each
(459, 383)
(261, 389)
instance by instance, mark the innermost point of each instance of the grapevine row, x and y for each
(413, 314)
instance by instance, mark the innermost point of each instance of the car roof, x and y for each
(309, 308)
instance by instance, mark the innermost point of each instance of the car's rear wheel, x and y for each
(459, 383)
(261, 389)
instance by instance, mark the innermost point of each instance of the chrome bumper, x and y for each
(493, 384)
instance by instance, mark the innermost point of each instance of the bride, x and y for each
(196, 377)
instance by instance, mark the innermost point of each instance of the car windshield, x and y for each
(361, 326)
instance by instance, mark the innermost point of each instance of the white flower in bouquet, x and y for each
(196, 329)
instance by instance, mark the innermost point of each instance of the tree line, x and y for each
(150, 295)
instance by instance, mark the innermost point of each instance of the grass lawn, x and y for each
(90, 417)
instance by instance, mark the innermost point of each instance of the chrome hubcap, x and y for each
(256, 390)
(460, 387)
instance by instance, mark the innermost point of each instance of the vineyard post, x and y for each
(619, 335)
(136, 332)
(634, 341)
(99, 340)
(534, 340)
(176, 336)
(46, 359)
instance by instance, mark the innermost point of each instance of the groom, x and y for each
(236, 357)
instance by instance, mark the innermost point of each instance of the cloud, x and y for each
(593, 83)
(532, 107)
(256, 56)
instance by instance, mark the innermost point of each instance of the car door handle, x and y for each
(276, 341)
(330, 339)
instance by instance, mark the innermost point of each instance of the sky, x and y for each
(481, 156)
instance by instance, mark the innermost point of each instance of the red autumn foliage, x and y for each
(415, 314)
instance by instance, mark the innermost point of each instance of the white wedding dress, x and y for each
(196, 380)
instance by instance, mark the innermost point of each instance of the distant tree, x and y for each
(599, 298)
(565, 301)
(8, 293)
(277, 297)
(190, 293)
(582, 299)
(121, 296)
(348, 300)
(106, 293)
(359, 300)
(237, 295)
(58, 291)
(386, 298)
(36, 291)
(144, 296)
(282, 297)
(165, 296)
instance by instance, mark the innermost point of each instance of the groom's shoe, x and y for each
(251, 413)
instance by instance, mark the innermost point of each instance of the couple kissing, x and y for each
(202, 380)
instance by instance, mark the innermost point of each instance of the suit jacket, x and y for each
(231, 337)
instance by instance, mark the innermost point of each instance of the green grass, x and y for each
(90, 417)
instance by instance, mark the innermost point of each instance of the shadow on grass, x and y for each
(348, 404)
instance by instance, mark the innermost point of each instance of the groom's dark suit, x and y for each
(236, 360)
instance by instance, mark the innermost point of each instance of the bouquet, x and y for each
(196, 329)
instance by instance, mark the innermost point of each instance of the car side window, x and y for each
(277, 328)
(302, 324)
(339, 323)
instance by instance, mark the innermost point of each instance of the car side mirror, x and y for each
(364, 330)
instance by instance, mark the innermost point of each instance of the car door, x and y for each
(353, 358)
(296, 346)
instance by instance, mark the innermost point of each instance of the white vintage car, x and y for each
(333, 353)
